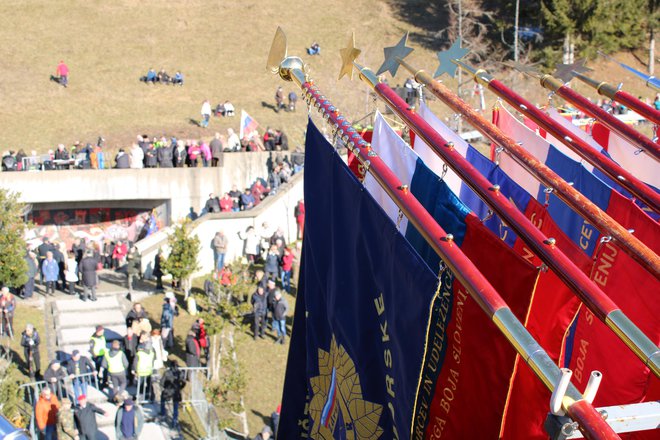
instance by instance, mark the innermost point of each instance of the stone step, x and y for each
(151, 431)
(110, 411)
(90, 318)
(64, 351)
(76, 305)
(81, 335)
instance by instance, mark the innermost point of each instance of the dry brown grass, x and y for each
(221, 48)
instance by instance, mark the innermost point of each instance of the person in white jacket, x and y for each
(137, 156)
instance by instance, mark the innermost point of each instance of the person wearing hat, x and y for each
(128, 421)
(85, 418)
(116, 364)
(77, 366)
(30, 342)
(265, 434)
(51, 272)
(98, 348)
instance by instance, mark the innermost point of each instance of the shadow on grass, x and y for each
(194, 122)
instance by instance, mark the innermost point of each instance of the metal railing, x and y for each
(62, 388)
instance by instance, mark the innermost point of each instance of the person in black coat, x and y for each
(55, 376)
(30, 342)
(77, 366)
(130, 345)
(260, 308)
(171, 384)
(85, 418)
(192, 350)
(122, 160)
(164, 156)
(59, 257)
(87, 268)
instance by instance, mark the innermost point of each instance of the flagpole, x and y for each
(650, 81)
(591, 423)
(572, 197)
(544, 247)
(555, 85)
(584, 150)
(605, 89)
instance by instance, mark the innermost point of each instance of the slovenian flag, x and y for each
(248, 124)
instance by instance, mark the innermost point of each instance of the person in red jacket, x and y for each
(226, 203)
(300, 218)
(119, 254)
(286, 265)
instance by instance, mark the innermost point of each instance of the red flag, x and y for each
(592, 346)
(454, 412)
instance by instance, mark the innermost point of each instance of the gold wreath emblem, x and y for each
(337, 402)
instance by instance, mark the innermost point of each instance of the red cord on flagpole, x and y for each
(621, 128)
(626, 179)
(544, 247)
(580, 204)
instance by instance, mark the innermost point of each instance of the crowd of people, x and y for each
(148, 152)
(135, 360)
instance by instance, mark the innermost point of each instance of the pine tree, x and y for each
(591, 25)
(13, 269)
(182, 262)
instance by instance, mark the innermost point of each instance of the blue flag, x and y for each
(361, 314)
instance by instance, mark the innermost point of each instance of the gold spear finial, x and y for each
(348, 55)
(289, 68)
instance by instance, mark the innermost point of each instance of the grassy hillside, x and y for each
(221, 48)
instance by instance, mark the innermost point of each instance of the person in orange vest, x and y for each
(46, 414)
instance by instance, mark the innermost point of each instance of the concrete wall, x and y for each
(182, 188)
(277, 210)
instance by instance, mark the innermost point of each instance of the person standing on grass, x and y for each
(62, 73)
(30, 342)
(192, 350)
(170, 310)
(280, 310)
(259, 308)
(32, 269)
(206, 113)
(7, 308)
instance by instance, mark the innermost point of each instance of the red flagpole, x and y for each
(580, 204)
(626, 179)
(621, 128)
(625, 98)
(590, 421)
(584, 288)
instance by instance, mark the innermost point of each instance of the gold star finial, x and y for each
(348, 55)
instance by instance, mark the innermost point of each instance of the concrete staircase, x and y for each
(74, 322)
